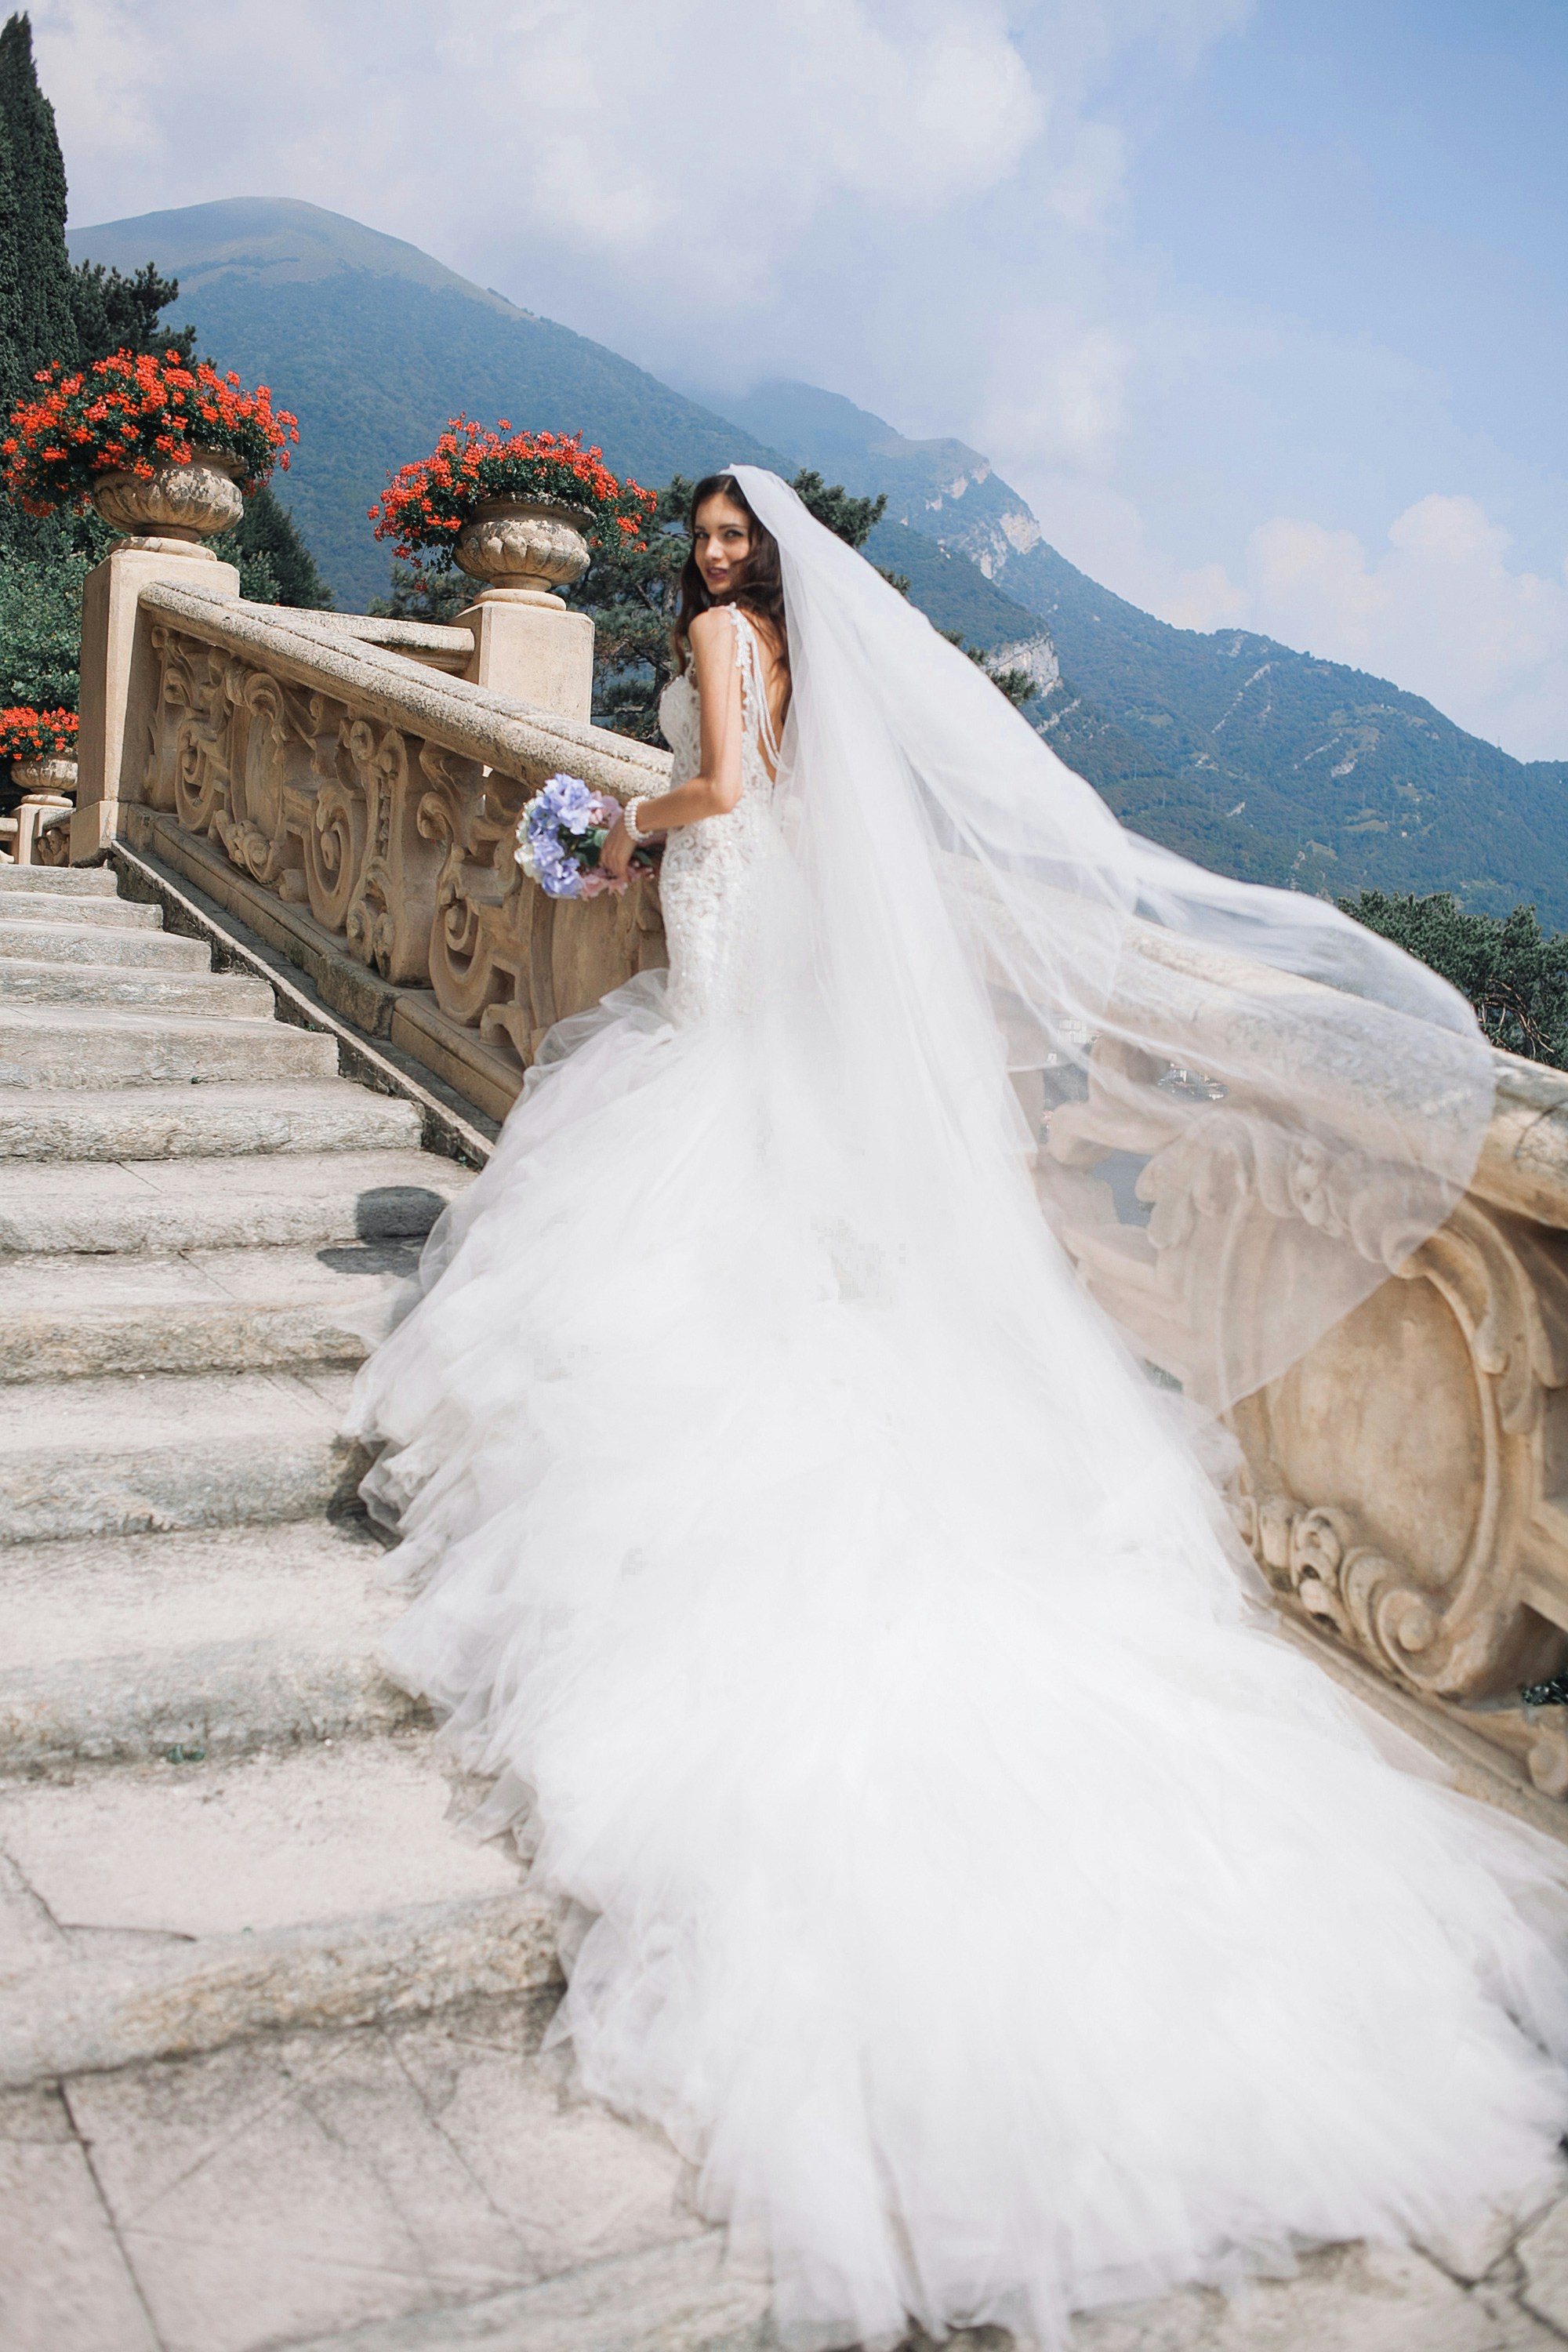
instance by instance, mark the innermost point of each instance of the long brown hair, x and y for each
(759, 591)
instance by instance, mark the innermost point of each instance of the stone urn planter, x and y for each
(50, 779)
(48, 795)
(522, 546)
(189, 503)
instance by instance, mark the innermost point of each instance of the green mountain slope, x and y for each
(1251, 757)
(375, 345)
(1235, 750)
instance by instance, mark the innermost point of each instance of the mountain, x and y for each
(373, 344)
(1234, 748)
(1257, 760)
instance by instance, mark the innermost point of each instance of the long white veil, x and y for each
(1280, 1072)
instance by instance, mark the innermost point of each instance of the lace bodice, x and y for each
(707, 865)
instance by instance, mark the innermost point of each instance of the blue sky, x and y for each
(1260, 303)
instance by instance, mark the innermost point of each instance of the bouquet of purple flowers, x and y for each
(560, 836)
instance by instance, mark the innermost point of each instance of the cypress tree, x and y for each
(42, 326)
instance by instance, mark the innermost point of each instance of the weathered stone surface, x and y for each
(39, 882)
(32, 980)
(193, 1905)
(295, 1199)
(280, 2192)
(40, 1046)
(1544, 2259)
(1345, 2299)
(65, 2286)
(220, 1641)
(678, 2298)
(228, 1310)
(96, 943)
(63, 907)
(141, 1123)
(110, 1456)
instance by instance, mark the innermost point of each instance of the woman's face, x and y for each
(722, 540)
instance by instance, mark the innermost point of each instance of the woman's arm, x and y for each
(716, 787)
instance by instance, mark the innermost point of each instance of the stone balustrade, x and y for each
(341, 785)
(350, 789)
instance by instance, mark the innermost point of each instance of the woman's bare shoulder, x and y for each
(712, 627)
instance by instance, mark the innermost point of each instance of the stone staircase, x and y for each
(268, 2026)
(270, 2075)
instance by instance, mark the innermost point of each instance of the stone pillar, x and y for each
(119, 676)
(529, 647)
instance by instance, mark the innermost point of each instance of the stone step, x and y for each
(687, 2297)
(187, 1122)
(220, 995)
(237, 1310)
(57, 882)
(43, 1046)
(156, 1910)
(296, 1198)
(60, 909)
(128, 1455)
(142, 950)
(123, 1648)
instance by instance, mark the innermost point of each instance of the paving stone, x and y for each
(65, 2286)
(313, 2184)
(676, 2298)
(1345, 2299)
(1477, 2245)
(1544, 2259)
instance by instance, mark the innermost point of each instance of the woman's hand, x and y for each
(615, 857)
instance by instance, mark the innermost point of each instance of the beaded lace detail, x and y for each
(702, 882)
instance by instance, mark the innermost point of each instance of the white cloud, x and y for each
(1437, 608)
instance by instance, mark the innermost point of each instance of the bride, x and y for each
(1003, 1918)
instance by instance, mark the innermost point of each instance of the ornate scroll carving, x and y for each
(1402, 1482)
(399, 844)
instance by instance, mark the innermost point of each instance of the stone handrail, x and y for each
(325, 778)
(1402, 1486)
(335, 782)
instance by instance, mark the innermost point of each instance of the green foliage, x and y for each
(37, 323)
(114, 313)
(631, 593)
(437, 597)
(1513, 974)
(43, 563)
(374, 363)
(851, 519)
(276, 567)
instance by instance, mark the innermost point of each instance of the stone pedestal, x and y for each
(115, 737)
(528, 646)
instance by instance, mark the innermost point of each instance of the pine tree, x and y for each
(1515, 976)
(276, 567)
(35, 267)
(114, 313)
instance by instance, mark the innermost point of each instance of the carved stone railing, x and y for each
(350, 788)
(328, 779)
(1405, 1486)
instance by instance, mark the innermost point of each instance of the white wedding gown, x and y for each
(1001, 1918)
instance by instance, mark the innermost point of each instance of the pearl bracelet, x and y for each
(629, 819)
